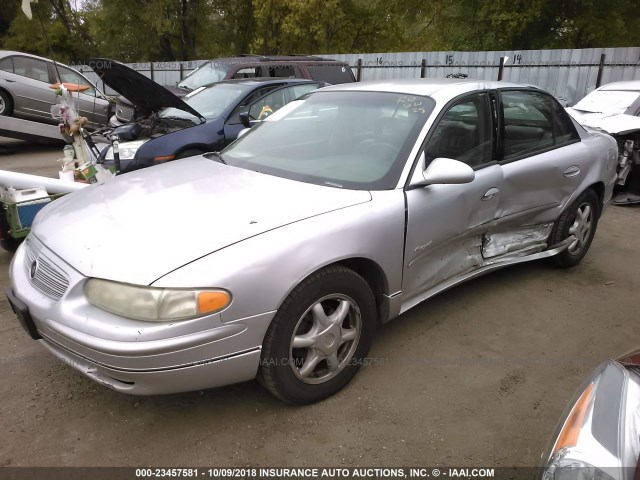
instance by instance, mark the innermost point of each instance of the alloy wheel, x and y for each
(325, 339)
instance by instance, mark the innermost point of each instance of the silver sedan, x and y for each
(277, 257)
(25, 91)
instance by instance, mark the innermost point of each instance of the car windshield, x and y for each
(607, 101)
(210, 102)
(206, 73)
(349, 139)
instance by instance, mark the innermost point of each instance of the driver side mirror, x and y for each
(244, 118)
(441, 171)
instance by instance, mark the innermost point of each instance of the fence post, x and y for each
(151, 69)
(501, 68)
(423, 68)
(359, 70)
(181, 72)
(600, 70)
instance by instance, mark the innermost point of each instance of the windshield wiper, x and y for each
(175, 117)
(218, 156)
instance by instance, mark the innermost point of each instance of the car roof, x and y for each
(251, 58)
(632, 85)
(9, 53)
(431, 87)
(263, 80)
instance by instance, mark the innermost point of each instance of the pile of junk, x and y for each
(22, 195)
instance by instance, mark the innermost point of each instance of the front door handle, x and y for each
(9, 81)
(490, 194)
(572, 171)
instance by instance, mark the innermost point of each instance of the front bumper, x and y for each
(132, 356)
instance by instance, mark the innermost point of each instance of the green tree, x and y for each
(66, 29)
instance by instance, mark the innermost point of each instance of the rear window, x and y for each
(331, 73)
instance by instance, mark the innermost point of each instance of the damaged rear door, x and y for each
(543, 163)
(446, 224)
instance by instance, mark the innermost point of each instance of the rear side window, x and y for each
(281, 71)
(249, 72)
(31, 68)
(528, 123)
(533, 122)
(565, 130)
(331, 73)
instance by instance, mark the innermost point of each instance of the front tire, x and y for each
(6, 104)
(319, 337)
(579, 220)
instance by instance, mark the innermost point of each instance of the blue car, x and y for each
(205, 120)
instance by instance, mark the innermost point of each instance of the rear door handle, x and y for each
(490, 193)
(9, 81)
(572, 171)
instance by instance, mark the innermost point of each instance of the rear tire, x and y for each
(6, 104)
(319, 337)
(581, 220)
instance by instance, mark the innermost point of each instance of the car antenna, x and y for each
(46, 37)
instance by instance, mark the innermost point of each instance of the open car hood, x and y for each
(143, 92)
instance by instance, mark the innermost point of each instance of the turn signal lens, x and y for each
(164, 158)
(568, 436)
(212, 301)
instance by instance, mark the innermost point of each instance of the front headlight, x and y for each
(569, 469)
(152, 304)
(127, 150)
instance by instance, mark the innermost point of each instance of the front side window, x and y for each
(210, 102)
(6, 64)
(74, 78)
(31, 68)
(464, 132)
(355, 139)
(528, 123)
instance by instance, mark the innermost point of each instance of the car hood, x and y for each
(142, 225)
(614, 124)
(143, 92)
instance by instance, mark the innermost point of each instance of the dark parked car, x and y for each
(25, 91)
(251, 66)
(206, 120)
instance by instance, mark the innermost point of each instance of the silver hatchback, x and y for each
(25, 91)
(277, 257)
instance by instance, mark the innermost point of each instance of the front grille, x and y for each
(124, 113)
(44, 275)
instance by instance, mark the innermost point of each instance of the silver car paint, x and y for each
(299, 228)
(153, 232)
(32, 99)
(608, 437)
